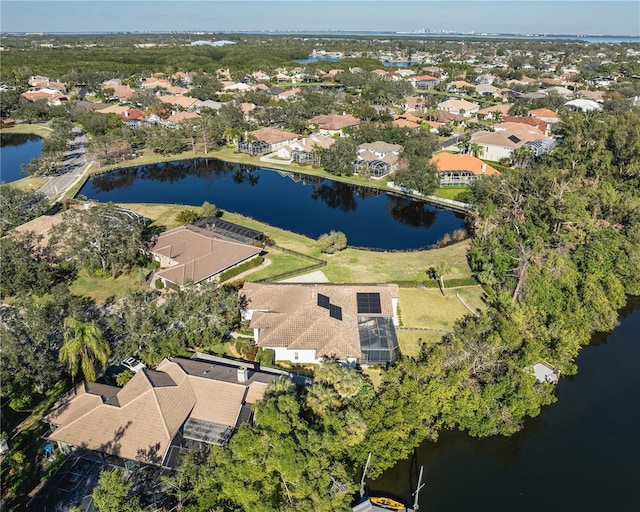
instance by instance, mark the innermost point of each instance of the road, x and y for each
(75, 161)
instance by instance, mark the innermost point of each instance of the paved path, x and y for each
(71, 170)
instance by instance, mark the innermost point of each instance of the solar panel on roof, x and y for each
(335, 312)
(369, 303)
(323, 301)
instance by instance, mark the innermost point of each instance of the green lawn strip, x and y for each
(35, 129)
(29, 183)
(280, 263)
(411, 341)
(102, 289)
(360, 266)
(453, 193)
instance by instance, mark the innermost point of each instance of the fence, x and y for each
(317, 263)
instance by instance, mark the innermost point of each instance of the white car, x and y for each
(132, 364)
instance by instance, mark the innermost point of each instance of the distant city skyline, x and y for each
(579, 17)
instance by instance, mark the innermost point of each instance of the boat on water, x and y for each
(387, 503)
(382, 503)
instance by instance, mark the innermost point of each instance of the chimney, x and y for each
(484, 168)
(243, 374)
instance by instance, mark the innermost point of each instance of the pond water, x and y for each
(298, 203)
(17, 149)
(581, 453)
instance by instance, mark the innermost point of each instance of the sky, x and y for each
(617, 17)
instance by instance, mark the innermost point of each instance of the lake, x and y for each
(302, 204)
(581, 453)
(17, 149)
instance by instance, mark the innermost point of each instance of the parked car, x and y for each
(132, 364)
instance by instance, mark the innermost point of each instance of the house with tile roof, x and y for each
(308, 323)
(305, 150)
(333, 124)
(509, 136)
(264, 140)
(424, 81)
(545, 114)
(377, 159)
(459, 107)
(459, 169)
(161, 412)
(189, 254)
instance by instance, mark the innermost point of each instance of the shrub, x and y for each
(187, 216)
(159, 284)
(232, 272)
(267, 356)
(21, 402)
(210, 210)
(459, 234)
(332, 242)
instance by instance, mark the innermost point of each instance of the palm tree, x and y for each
(83, 340)
(438, 272)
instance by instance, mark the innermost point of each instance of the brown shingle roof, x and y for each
(334, 121)
(288, 315)
(199, 254)
(272, 135)
(152, 407)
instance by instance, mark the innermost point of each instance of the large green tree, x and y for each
(102, 237)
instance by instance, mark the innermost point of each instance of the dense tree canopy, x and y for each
(101, 238)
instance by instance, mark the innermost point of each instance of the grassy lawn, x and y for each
(103, 289)
(359, 266)
(279, 264)
(424, 307)
(411, 341)
(454, 193)
(35, 129)
(29, 183)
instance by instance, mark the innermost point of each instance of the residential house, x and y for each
(460, 169)
(424, 81)
(154, 83)
(306, 150)
(333, 124)
(133, 117)
(266, 140)
(459, 107)
(260, 76)
(541, 125)
(377, 159)
(160, 413)
(179, 117)
(407, 121)
(184, 102)
(546, 115)
(191, 255)
(307, 323)
(487, 90)
(122, 93)
(494, 111)
(412, 103)
(52, 96)
(508, 137)
(582, 105)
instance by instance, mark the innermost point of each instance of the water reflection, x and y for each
(17, 139)
(303, 204)
(410, 212)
